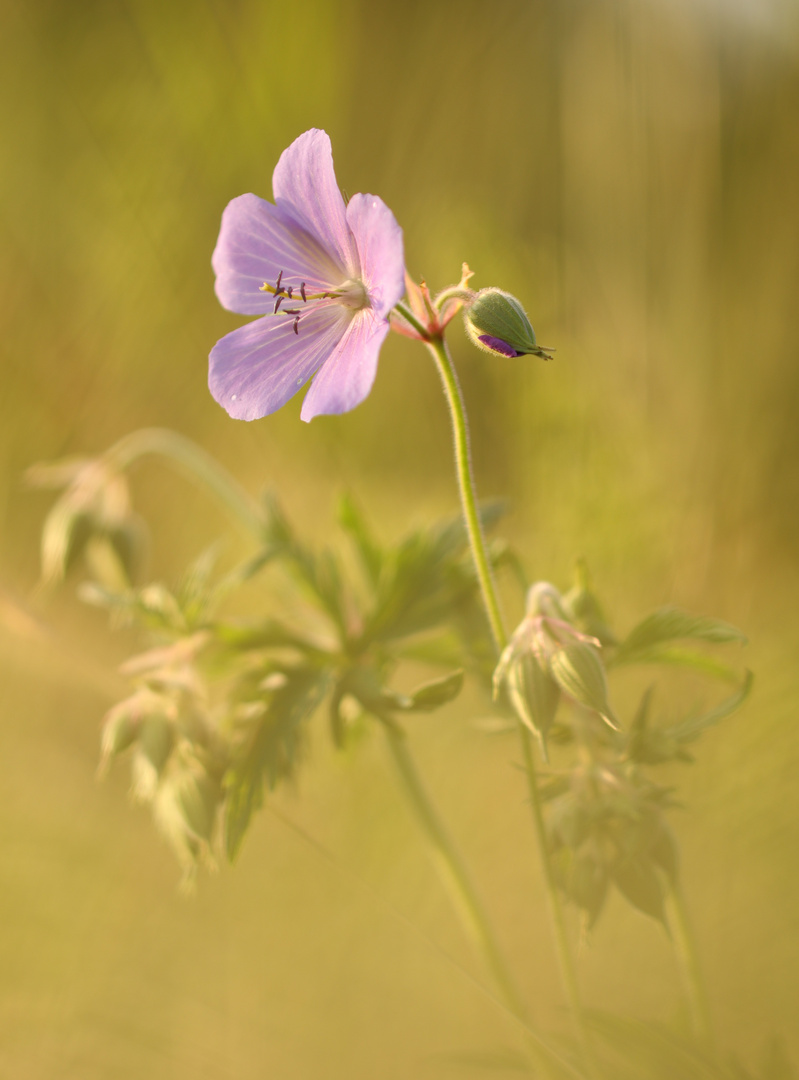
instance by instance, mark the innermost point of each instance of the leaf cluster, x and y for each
(258, 684)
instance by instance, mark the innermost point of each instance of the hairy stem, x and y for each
(466, 484)
(454, 873)
(463, 465)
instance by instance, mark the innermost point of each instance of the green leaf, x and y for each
(426, 582)
(369, 551)
(319, 573)
(269, 634)
(671, 623)
(245, 795)
(271, 751)
(637, 880)
(675, 656)
(584, 607)
(664, 851)
(691, 729)
(437, 692)
(588, 885)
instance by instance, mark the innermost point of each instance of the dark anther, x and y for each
(302, 293)
(291, 311)
(279, 279)
(278, 302)
(289, 291)
(296, 325)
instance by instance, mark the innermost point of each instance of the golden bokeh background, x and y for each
(629, 169)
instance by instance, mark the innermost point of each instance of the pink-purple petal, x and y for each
(305, 189)
(256, 369)
(378, 239)
(349, 372)
(255, 244)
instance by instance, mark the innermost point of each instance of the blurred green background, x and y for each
(628, 168)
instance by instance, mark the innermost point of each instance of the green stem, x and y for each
(568, 972)
(411, 319)
(463, 465)
(193, 462)
(466, 484)
(454, 873)
(693, 983)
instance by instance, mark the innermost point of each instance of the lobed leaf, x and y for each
(271, 751)
(672, 623)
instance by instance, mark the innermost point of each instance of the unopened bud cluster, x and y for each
(548, 658)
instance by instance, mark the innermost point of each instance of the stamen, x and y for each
(278, 302)
(279, 279)
(290, 291)
(302, 293)
(291, 311)
(296, 325)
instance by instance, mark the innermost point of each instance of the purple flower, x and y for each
(324, 274)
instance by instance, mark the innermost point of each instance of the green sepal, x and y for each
(638, 881)
(580, 673)
(532, 693)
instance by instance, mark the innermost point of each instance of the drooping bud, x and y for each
(532, 692)
(497, 323)
(547, 657)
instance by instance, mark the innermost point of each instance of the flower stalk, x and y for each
(438, 348)
(454, 873)
(690, 970)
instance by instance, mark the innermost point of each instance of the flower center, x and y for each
(350, 294)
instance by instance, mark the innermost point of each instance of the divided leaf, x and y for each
(271, 751)
(670, 624)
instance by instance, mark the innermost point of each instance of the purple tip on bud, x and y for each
(497, 345)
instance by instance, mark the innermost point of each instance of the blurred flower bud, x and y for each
(95, 506)
(197, 797)
(185, 810)
(125, 723)
(532, 693)
(156, 740)
(497, 322)
(121, 728)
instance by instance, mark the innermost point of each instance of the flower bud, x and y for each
(533, 694)
(497, 323)
(95, 504)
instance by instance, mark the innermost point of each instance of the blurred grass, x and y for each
(629, 170)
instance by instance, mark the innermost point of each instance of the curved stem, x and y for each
(463, 464)
(693, 983)
(466, 484)
(454, 872)
(194, 462)
(411, 319)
